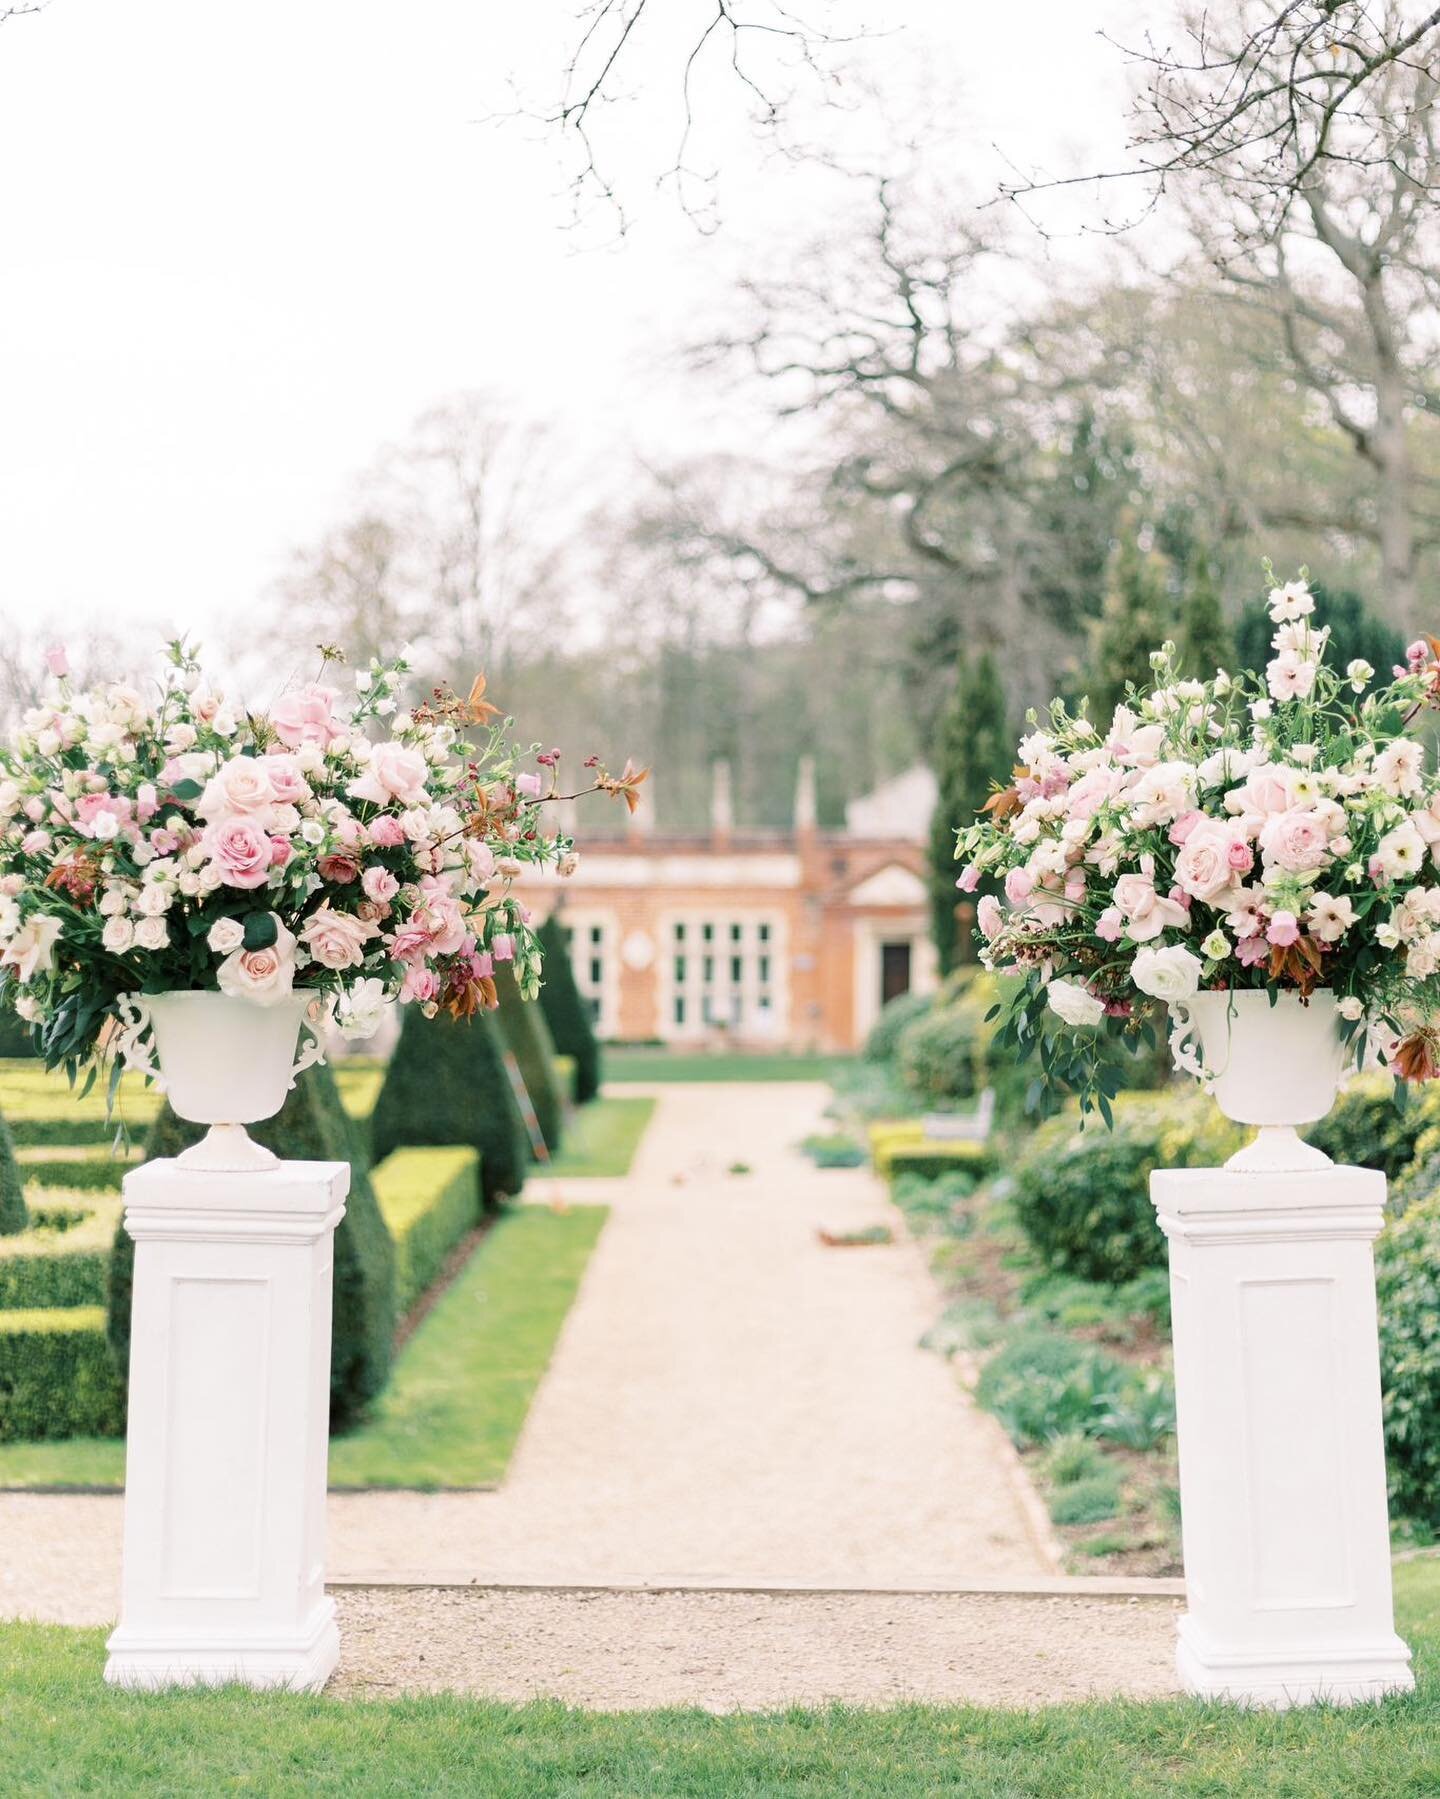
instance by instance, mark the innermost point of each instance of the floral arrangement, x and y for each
(361, 851)
(1278, 832)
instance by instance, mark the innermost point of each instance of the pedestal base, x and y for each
(298, 1664)
(1301, 1675)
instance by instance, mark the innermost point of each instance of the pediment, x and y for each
(893, 885)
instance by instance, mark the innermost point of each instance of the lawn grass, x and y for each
(664, 1065)
(458, 1396)
(456, 1402)
(65, 1733)
(601, 1138)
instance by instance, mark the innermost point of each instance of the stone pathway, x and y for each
(731, 1403)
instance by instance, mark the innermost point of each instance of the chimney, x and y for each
(722, 810)
(805, 798)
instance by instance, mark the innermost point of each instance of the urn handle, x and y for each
(136, 1043)
(317, 1016)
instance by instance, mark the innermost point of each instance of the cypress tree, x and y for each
(565, 1011)
(13, 1215)
(447, 1083)
(1205, 641)
(526, 1034)
(15, 1038)
(976, 752)
(312, 1126)
(1134, 620)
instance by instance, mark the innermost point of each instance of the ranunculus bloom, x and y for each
(306, 717)
(337, 939)
(1204, 868)
(393, 773)
(339, 869)
(379, 884)
(240, 850)
(1296, 841)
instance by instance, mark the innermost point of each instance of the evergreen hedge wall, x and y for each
(429, 1199)
(565, 1011)
(57, 1378)
(13, 1213)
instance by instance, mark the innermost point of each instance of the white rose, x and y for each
(1350, 1007)
(152, 933)
(265, 976)
(362, 1009)
(118, 935)
(1077, 1005)
(1167, 974)
(9, 916)
(225, 935)
(153, 901)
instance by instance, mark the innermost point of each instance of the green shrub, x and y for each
(16, 1041)
(57, 1378)
(941, 1054)
(1071, 1459)
(50, 1266)
(429, 1199)
(1141, 1414)
(1042, 1386)
(13, 1214)
(100, 1173)
(312, 1126)
(834, 1149)
(447, 1084)
(527, 1037)
(565, 1010)
(1407, 1282)
(1082, 1197)
(884, 1039)
(564, 1072)
(1086, 1501)
(1369, 1129)
(928, 1201)
(939, 1158)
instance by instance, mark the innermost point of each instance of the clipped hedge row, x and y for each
(57, 1376)
(100, 1173)
(1407, 1284)
(69, 1266)
(903, 1148)
(1082, 1197)
(429, 1199)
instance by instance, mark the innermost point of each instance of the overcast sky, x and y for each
(242, 247)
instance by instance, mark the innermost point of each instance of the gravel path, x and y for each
(751, 1652)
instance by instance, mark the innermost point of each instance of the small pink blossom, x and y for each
(529, 785)
(34, 809)
(1241, 857)
(147, 801)
(387, 832)
(379, 884)
(969, 878)
(420, 984)
(1180, 831)
(164, 843)
(1110, 926)
(483, 966)
(989, 916)
(502, 947)
(1250, 950)
(1284, 930)
(281, 850)
(1019, 885)
(57, 661)
(34, 842)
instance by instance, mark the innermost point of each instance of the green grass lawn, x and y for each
(460, 1390)
(601, 1138)
(453, 1410)
(665, 1065)
(64, 1733)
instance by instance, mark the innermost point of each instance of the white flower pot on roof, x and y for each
(227, 1062)
(1272, 1062)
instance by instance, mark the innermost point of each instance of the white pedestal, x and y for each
(1282, 1466)
(225, 1479)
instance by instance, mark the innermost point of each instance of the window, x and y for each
(735, 933)
(737, 970)
(707, 931)
(597, 971)
(679, 971)
(763, 971)
(597, 933)
(762, 931)
(680, 932)
(679, 1008)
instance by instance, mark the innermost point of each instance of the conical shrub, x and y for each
(527, 1036)
(565, 1011)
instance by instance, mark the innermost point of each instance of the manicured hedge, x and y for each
(57, 1376)
(311, 1127)
(429, 1199)
(895, 1015)
(13, 1214)
(1407, 1282)
(98, 1173)
(47, 1267)
(527, 1036)
(1082, 1197)
(937, 1157)
(447, 1084)
(565, 1012)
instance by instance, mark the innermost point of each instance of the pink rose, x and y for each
(393, 773)
(1019, 884)
(1203, 867)
(989, 916)
(1091, 791)
(411, 944)
(420, 984)
(1241, 856)
(240, 788)
(969, 878)
(281, 850)
(1284, 929)
(337, 939)
(1296, 840)
(240, 850)
(1184, 825)
(307, 717)
(379, 884)
(1146, 914)
(387, 832)
(339, 869)
(287, 783)
(262, 975)
(1266, 789)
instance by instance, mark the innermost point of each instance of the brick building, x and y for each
(779, 939)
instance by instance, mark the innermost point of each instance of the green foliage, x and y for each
(834, 1149)
(1371, 1127)
(1136, 616)
(429, 1199)
(446, 1083)
(1205, 643)
(930, 1160)
(15, 1038)
(50, 1266)
(565, 1011)
(1086, 1501)
(1082, 1197)
(527, 1036)
(1073, 1458)
(943, 1055)
(931, 1199)
(57, 1378)
(974, 755)
(884, 1039)
(312, 1126)
(1355, 632)
(100, 1173)
(1042, 1386)
(13, 1213)
(1407, 1284)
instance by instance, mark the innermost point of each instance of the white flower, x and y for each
(1331, 916)
(1293, 600)
(31, 950)
(1260, 710)
(113, 902)
(225, 935)
(118, 935)
(1400, 852)
(1167, 974)
(312, 831)
(152, 933)
(153, 901)
(1077, 1005)
(1290, 676)
(1351, 1008)
(361, 1010)
(9, 916)
(1399, 768)
(1216, 946)
(1359, 674)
